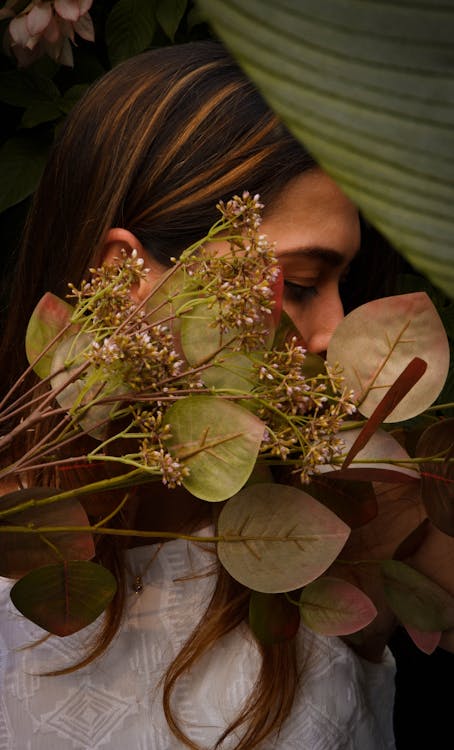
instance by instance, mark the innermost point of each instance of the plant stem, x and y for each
(125, 480)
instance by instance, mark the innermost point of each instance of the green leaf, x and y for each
(65, 598)
(22, 160)
(375, 342)
(437, 479)
(272, 618)
(218, 440)
(91, 388)
(169, 14)
(235, 372)
(416, 600)
(38, 94)
(170, 301)
(72, 96)
(49, 317)
(129, 29)
(68, 355)
(201, 340)
(24, 552)
(368, 88)
(40, 112)
(331, 606)
(278, 538)
(25, 89)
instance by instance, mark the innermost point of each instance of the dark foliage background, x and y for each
(35, 100)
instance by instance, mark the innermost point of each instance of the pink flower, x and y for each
(47, 27)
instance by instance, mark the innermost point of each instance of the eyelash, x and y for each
(298, 292)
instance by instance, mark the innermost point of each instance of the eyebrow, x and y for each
(327, 255)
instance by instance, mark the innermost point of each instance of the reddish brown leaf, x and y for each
(413, 541)
(332, 606)
(65, 598)
(272, 618)
(22, 552)
(354, 502)
(401, 386)
(425, 641)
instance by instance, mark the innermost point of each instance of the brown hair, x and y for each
(152, 147)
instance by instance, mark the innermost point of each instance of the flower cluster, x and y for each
(46, 27)
(303, 410)
(147, 393)
(106, 297)
(143, 358)
(125, 371)
(242, 280)
(152, 451)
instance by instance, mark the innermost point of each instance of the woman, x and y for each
(141, 164)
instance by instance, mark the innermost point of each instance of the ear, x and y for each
(118, 239)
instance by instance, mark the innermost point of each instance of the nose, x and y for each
(320, 319)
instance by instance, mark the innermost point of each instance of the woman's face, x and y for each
(317, 234)
(315, 228)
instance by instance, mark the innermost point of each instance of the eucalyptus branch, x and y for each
(133, 391)
(115, 511)
(439, 407)
(30, 368)
(131, 479)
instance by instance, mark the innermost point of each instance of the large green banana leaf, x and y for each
(368, 86)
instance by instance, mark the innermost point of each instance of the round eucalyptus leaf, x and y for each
(49, 317)
(375, 342)
(22, 552)
(278, 538)
(64, 598)
(426, 641)
(67, 357)
(202, 341)
(331, 606)
(171, 298)
(272, 618)
(217, 440)
(70, 354)
(417, 601)
(235, 373)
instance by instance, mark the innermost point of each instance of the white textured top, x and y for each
(343, 702)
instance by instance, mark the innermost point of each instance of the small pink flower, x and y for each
(52, 32)
(39, 18)
(19, 32)
(47, 27)
(84, 27)
(71, 10)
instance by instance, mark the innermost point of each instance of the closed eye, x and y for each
(299, 292)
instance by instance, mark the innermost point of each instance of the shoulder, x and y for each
(339, 696)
